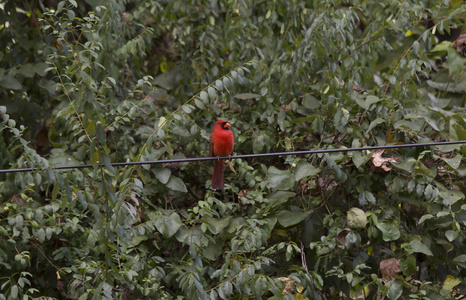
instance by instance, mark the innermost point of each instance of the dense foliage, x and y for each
(96, 82)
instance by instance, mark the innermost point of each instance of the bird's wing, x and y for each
(211, 147)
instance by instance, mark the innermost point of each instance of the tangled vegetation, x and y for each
(96, 82)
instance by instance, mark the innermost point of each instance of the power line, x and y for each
(181, 160)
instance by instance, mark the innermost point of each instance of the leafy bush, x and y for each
(97, 82)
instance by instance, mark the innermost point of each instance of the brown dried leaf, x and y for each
(16, 199)
(460, 44)
(341, 236)
(60, 285)
(289, 283)
(390, 268)
(231, 166)
(135, 204)
(285, 107)
(218, 104)
(242, 193)
(382, 162)
(306, 186)
(341, 84)
(358, 89)
(42, 138)
(327, 183)
(390, 136)
(171, 166)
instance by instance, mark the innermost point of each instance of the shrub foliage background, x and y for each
(120, 81)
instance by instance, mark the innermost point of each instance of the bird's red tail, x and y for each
(217, 178)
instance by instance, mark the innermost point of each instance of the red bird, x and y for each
(221, 144)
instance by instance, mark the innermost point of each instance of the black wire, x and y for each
(180, 160)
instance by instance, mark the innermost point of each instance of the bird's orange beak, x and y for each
(227, 125)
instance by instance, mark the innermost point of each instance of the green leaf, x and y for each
(176, 184)
(168, 225)
(40, 235)
(204, 96)
(227, 82)
(395, 289)
(112, 80)
(460, 132)
(415, 125)
(374, 123)
(268, 14)
(304, 169)
(108, 164)
(181, 131)
(14, 292)
(84, 296)
(199, 103)
(190, 236)
(279, 195)
(436, 123)
(219, 85)
(212, 93)
(408, 265)
(279, 180)
(371, 100)
(289, 252)
(366, 196)
(390, 232)
(100, 133)
(10, 82)
(310, 102)
(228, 289)
(60, 6)
(455, 61)
(450, 282)
(460, 258)
(451, 235)
(356, 218)
(258, 144)
(454, 162)
(278, 198)
(359, 100)
(216, 226)
(162, 174)
(452, 87)
(246, 96)
(443, 46)
(290, 218)
(406, 164)
(420, 168)
(359, 158)
(27, 70)
(71, 15)
(416, 47)
(425, 217)
(450, 197)
(419, 247)
(187, 108)
(60, 158)
(48, 233)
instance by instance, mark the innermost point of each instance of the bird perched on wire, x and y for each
(221, 144)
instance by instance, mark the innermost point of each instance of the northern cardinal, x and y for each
(221, 144)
